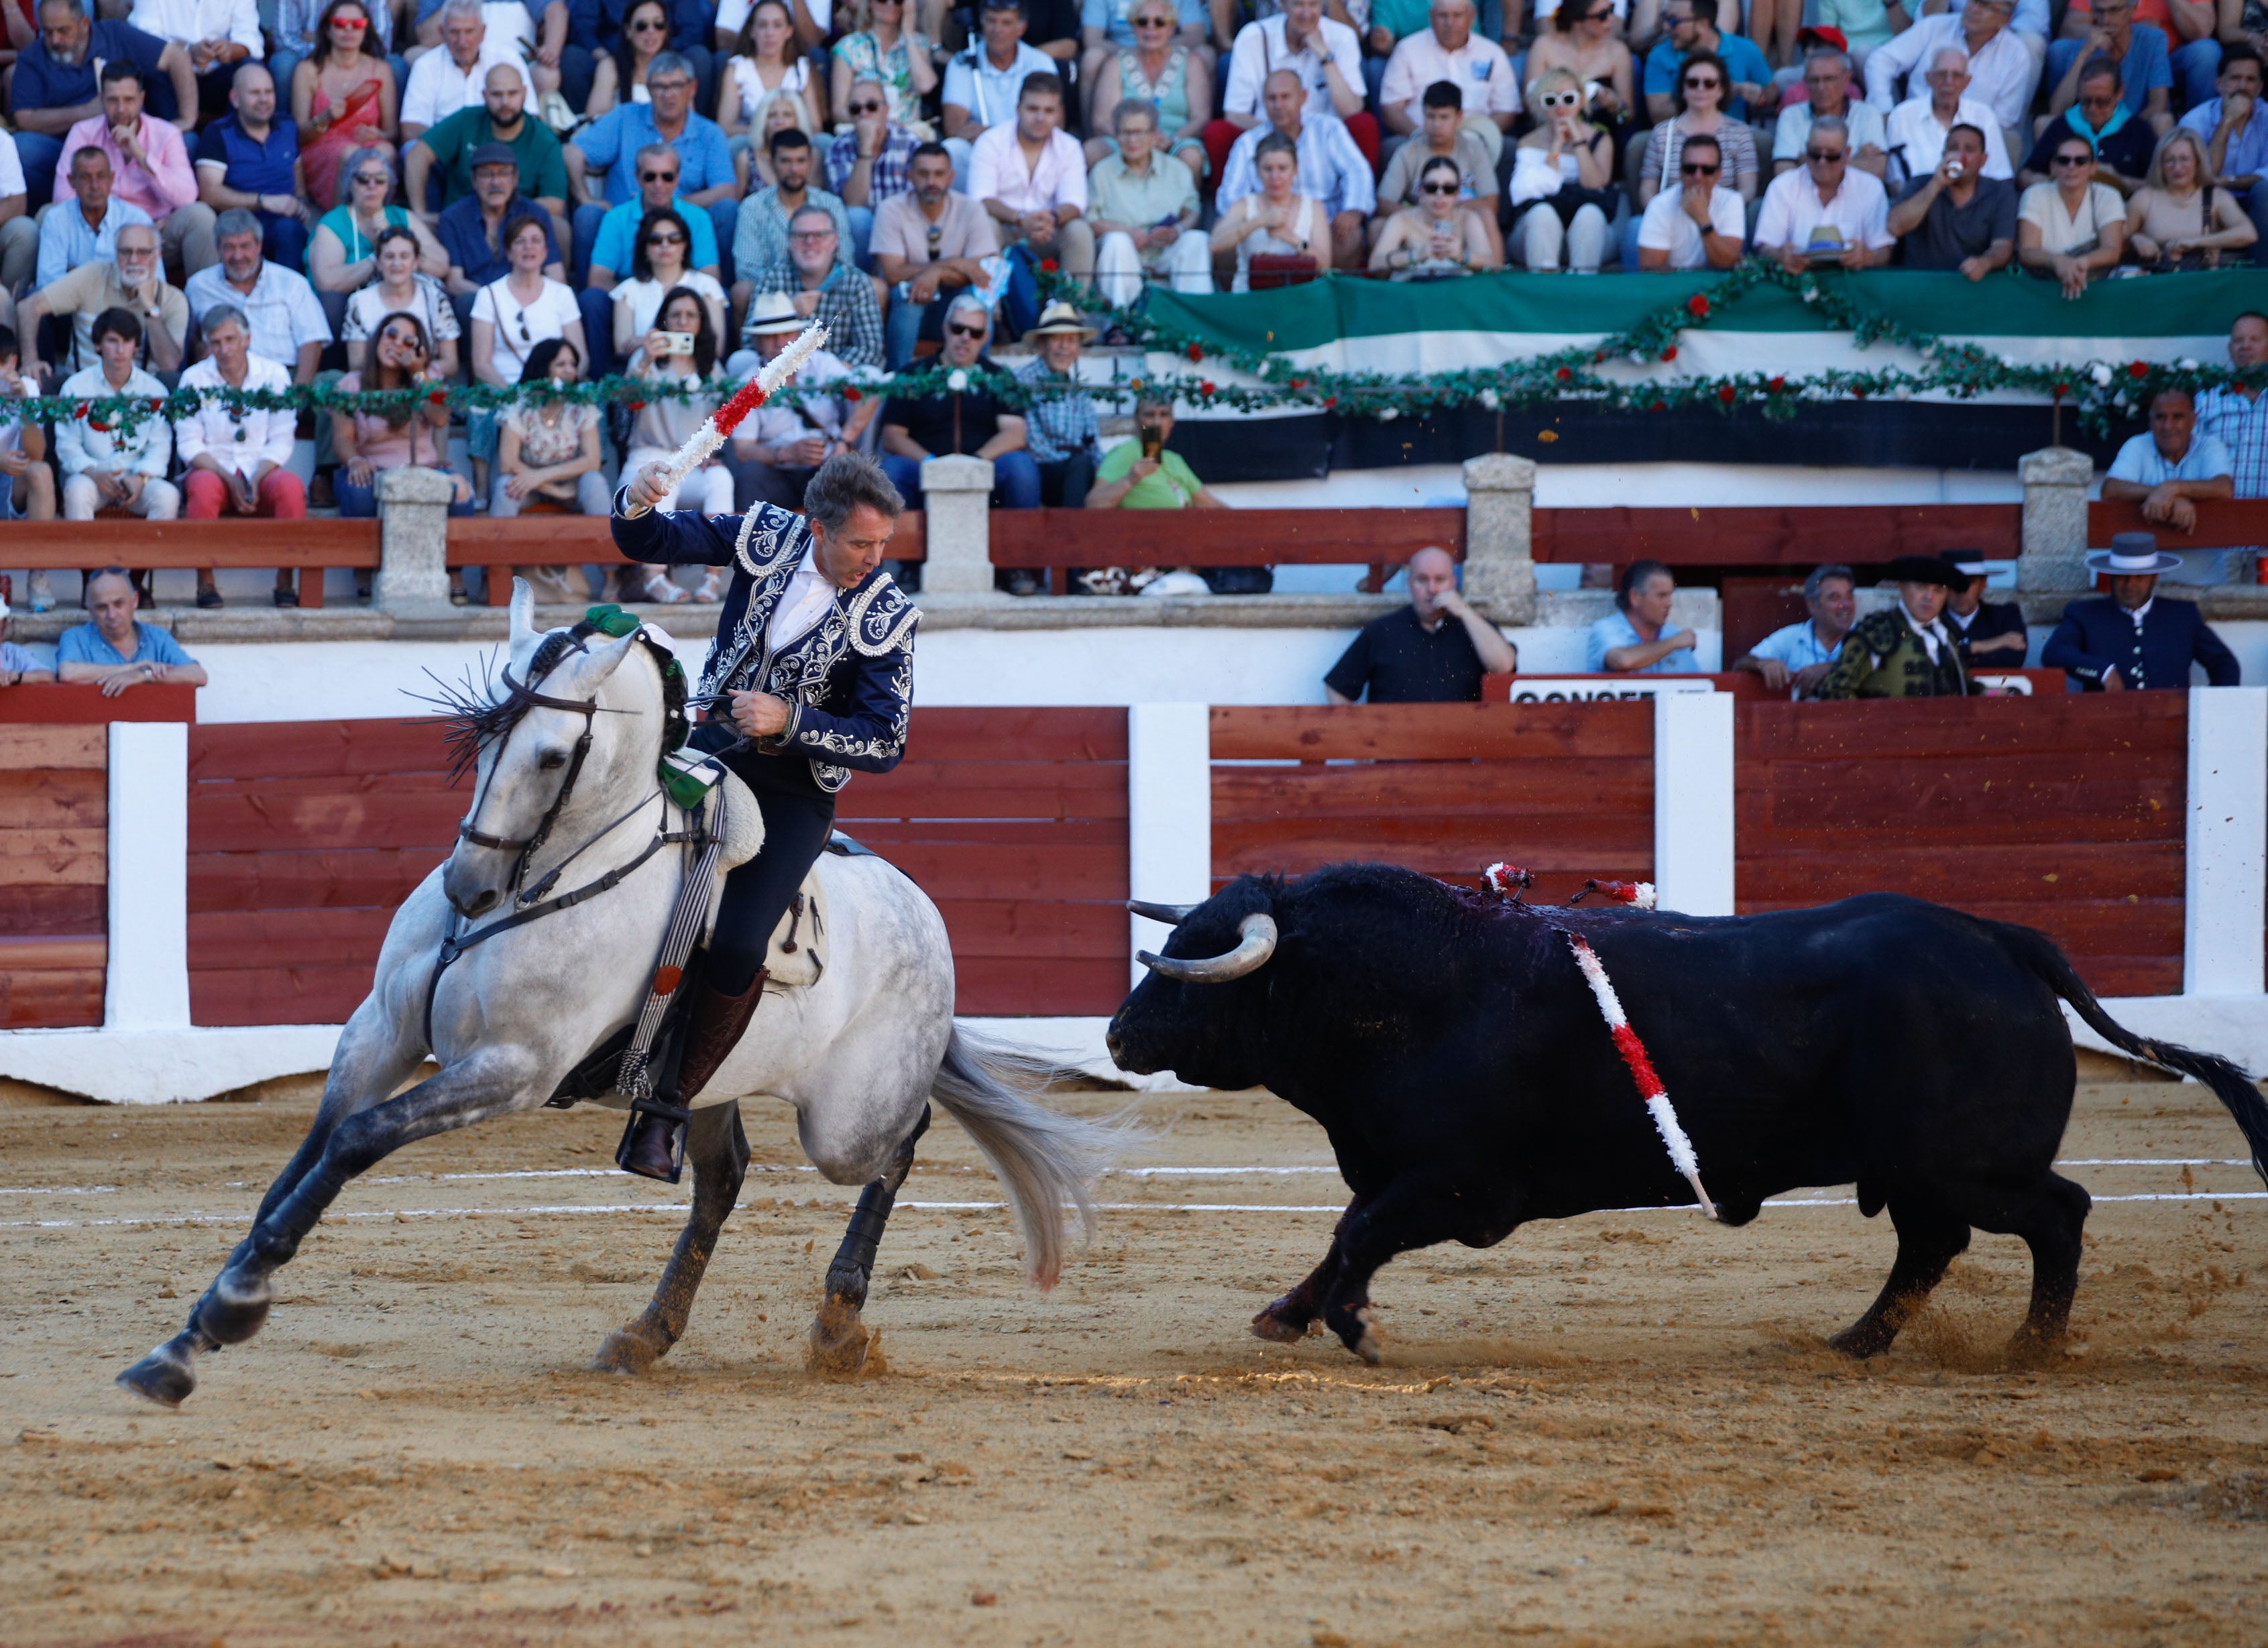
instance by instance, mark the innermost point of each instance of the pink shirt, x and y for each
(166, 185)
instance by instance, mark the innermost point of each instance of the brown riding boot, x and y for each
(651, 1150)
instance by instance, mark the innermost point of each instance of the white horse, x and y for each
(856, 1053)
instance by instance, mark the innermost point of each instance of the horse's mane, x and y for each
(475, 712)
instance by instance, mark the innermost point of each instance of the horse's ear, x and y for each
(605, 659)
(523, 616)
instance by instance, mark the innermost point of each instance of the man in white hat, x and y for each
(1061, 429)
(2129, 639)
(17, 666)
(779, 447)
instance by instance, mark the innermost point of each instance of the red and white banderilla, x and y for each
(1650, 1088)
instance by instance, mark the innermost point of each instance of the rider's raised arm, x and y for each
(683, 538)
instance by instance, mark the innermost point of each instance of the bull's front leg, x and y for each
(1293, 1317)
(1407, 1214)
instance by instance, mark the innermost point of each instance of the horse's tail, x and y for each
(1045, 1159)
(2230, 1083)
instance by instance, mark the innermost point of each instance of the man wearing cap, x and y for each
(1989, 633)
(2129, 639)
(1905, 651)
(2168, 469)
(779, 448)
(1800, 655)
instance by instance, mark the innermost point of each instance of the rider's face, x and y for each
(852, 551)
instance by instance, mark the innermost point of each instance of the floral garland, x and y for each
(2100, 392)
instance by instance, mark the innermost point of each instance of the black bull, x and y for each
(1450, 1048)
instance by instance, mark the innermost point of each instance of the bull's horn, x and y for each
(1172, 915)
(1257, 944)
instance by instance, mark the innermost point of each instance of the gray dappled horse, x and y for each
(857, 1053)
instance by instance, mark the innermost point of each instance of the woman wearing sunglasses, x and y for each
(1160, 70)
(547, 452)
(411, 432)
(1585, 40)
(1435, 239)
(619, 76)
(510, 318)
(657, 267)
(681, 352)
(342, 254)
(1563, 180)
(1701, 85)
(343, 97)
(886, 48)
(400, 285)
(2071, 228)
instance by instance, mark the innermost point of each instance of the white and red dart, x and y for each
(1641, 1069)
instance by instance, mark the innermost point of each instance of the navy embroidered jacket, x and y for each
(2097, 635)
(847, 680)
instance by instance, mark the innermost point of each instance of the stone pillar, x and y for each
(2055, 520)
(956, 499)
(1500, 554)
(412, 538)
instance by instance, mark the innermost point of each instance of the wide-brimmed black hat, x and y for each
(1913, 568)
(1969, 563)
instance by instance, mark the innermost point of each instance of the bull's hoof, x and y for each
(166, 1376)
(1278, 1329)
(2035, 1347)
(1864, 1339)
(842, 1346)
(1355, 1332)
(234, 1308)
(627, 1352)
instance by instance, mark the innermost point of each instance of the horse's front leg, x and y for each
(491, 1082)
(718, 1150)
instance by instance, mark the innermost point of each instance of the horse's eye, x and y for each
(552, 760)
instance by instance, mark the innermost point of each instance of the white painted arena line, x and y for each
(580, 1208)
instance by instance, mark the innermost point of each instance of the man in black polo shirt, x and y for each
(1415, 656)
(1956, 217)
(970, 420)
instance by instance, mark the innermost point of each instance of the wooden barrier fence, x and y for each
(54, 848)
(556, 539)
(1775, 535)
(1564, 789)
(1052, 540)
(2066, 814)
(90, 546)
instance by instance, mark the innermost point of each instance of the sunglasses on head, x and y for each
(1698, 168)
(959, 330)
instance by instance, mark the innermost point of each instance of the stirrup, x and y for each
(645, 1112)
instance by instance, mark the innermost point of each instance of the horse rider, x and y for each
(811, 675)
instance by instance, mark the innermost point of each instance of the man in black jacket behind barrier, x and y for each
(813, 664)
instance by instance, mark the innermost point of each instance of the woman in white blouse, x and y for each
(658, 258)
(510, 318)
(403, 286)
(1278, 221)
(768, 61)
(681, 350)
(2071, 228)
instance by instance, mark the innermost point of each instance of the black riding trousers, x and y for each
(797, 819)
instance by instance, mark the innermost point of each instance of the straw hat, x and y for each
(1061, 317)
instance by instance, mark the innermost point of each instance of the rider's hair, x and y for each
(843, 482)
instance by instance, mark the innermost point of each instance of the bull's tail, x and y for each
(1045, 1160)
(2230, 1084)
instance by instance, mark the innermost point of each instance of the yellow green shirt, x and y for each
(1174, 486)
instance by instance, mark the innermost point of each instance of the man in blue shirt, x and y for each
(115, 652)
(2146, 67)
(84, 230)
(1801, 655)
(1688, 28)
(2236, 136)
(54, 86)
(249, 159)
(472, 230)
(707, 179)
(613, 253)
(2167, 469)
(596, 26)
(1637, 638)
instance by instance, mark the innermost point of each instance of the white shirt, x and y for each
(1859, 210)
(437, 88)
(11, 170)
(1914, 128)
(1260, 51)
(238, 441)
(645, 297)
(996, 171)
(803, 603)
(282, 307)
(2001, 73)
(1666, 227)
(1479, 69)
(1932, 634)
(780, 424)
(192, 21)
(549, 316)
(1792, 132)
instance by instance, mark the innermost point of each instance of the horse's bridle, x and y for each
(526, 696)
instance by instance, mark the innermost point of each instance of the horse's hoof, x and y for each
(841, 1344)
(625, 1353)
(232, 1311)
(1268, 1326)
(166, 1376)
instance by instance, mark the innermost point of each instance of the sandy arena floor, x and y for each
(1624, 1429)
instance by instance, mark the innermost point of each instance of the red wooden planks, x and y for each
(1777, 535)
(1466, 731)
(1242, 537)
(42, 1000)
(312, 749)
